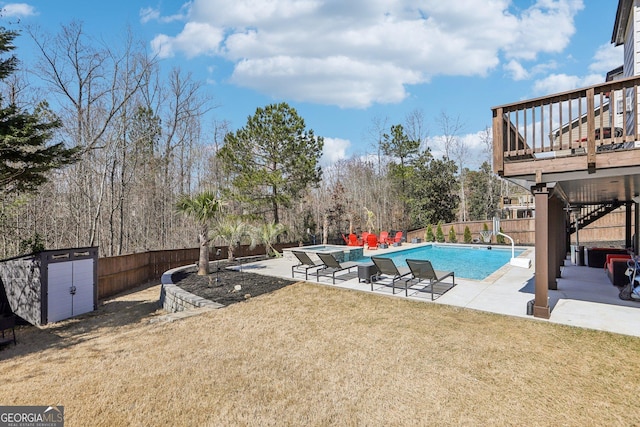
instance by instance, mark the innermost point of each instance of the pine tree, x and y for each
(467, 234)
(273, 159)
(452, 235)
(429, 237)
(27, 156)
(439, 233)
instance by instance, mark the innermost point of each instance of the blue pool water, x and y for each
(466, 261)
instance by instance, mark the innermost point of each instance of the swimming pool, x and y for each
(471, 262)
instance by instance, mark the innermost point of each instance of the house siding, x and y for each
(631, 65)
(571, 135)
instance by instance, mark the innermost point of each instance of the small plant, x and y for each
(429, 237)
(452, 235)
(485, 227)
(231, 231)
(267, 234)
(500, 238)
(467, 234)
(439, 233)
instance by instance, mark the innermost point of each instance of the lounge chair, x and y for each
(372, 241)
(305, 264)
(332, 266)
(387, 267)
(422, 269)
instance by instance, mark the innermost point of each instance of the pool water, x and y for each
(466, 261)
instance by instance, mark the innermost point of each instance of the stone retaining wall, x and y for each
(174, 299)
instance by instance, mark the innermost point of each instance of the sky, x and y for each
(345, 65)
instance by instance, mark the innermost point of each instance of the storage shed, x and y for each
(50, 286)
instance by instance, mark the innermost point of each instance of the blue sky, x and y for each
(343, 64)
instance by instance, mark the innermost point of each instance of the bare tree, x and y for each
(416, 129)
(92, 82)
(450, 128)
(455, 149)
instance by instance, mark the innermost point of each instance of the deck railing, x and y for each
(583, 122)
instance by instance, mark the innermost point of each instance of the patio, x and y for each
(585, 296)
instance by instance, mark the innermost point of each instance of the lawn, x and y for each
(315, 355)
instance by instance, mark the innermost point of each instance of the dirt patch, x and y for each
(230, 283)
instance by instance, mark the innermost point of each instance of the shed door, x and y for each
(62, 276)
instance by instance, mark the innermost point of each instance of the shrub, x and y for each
(439, 234)
(500, 238)
(467, 234)
(429, 237)
(452, 235)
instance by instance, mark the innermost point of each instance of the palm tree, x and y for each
(203, 208)
(231, 231)
(268, 235)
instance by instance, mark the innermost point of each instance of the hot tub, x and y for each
(341, 253)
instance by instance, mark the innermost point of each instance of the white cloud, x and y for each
(608, 57)
(163, 46)
(208, 40)
(360, 52)
(555, 83)
(12, 10)
(329, 81)
(334, 149)
(546, 26)
(516, 70)
(150, 14)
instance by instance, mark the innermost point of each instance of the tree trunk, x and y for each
(203, 261)
(325, 229)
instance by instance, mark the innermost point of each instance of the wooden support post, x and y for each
(542, 229)
(498, 142)
(591, 131)
(627, 225)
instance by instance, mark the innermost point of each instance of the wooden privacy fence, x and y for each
(609, 228)
(121, 273)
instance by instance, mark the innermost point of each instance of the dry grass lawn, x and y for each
(315, 355)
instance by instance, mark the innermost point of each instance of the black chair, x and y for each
(332, 266)
(305, 264)
(387, 267)
(422, 269)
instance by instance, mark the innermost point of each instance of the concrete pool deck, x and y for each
(585, 296)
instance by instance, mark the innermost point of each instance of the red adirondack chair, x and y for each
(398, 237)
(353, 240)
(372, 241)
(384, 237)
(365, 236)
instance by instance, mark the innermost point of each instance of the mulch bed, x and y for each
(222, 286)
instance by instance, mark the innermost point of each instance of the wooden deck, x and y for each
(584, 130)
(578, 152)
